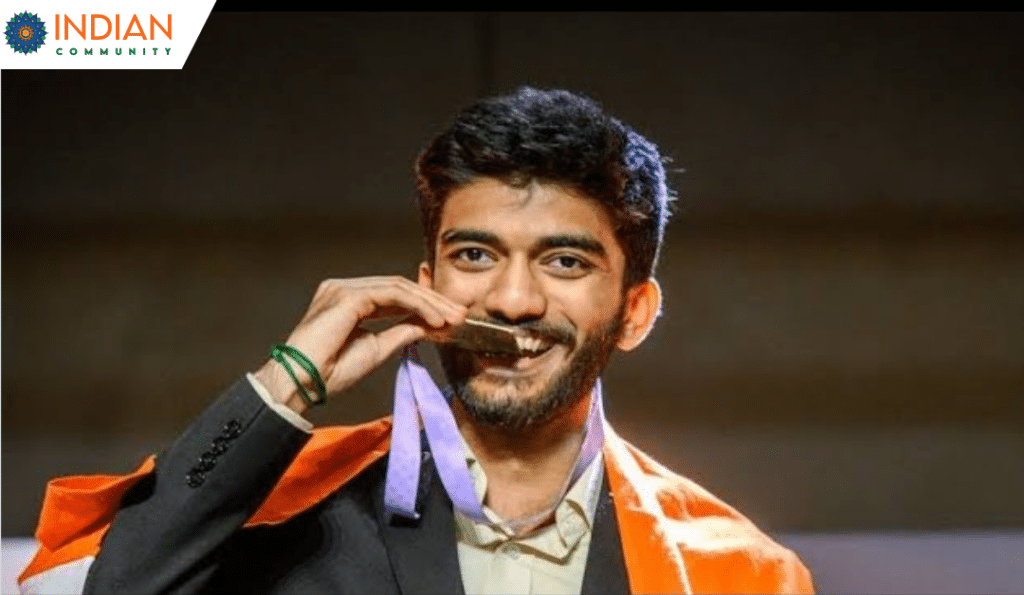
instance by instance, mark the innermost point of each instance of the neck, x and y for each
(527, 470)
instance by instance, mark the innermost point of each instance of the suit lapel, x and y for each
(423, 552)
(606, 568)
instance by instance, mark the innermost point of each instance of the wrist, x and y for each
(280, 386)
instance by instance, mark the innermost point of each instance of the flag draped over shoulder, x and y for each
(676, 536)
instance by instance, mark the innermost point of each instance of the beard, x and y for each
(566, 387)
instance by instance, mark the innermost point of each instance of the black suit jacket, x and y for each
(180, 529)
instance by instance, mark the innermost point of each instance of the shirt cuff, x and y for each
(293, 418)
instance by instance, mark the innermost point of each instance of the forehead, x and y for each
(536, 210)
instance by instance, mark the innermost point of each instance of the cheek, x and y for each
(458, 286)
(588, 307)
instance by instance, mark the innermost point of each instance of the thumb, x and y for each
(391, 340)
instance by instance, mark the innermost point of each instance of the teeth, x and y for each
(530, 345)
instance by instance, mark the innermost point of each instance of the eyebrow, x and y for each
(456, 235)
(583, 242)
(578, 241)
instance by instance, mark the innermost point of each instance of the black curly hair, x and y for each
(558, 137)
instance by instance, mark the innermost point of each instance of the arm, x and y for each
(172, 523)
(75, 539)
(205, 486)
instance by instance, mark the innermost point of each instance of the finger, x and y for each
(452, 311)
(332, 291)
(390, 299)
(392, 314)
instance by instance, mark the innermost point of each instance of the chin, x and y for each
(512, 401)
(509, 392)
(515, 404)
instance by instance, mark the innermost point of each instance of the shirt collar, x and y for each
(574, 515)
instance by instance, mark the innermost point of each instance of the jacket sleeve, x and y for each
(172, 521)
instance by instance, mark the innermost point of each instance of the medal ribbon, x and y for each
(416, 393)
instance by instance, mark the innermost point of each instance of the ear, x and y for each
(425, 276)
(643, 305)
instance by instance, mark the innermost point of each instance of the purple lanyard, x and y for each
(415, 391)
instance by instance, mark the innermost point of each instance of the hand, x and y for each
(330, 336)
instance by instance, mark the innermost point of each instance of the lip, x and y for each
(520, 367)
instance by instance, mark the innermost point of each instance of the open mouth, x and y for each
(530, 351)
(504, 349)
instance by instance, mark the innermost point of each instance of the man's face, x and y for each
(546, 260)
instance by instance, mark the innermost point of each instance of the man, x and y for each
(540, 212)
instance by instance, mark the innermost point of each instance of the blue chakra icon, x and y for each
(25, 33)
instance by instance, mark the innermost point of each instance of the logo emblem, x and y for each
(25, 33)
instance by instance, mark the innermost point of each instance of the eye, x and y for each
(472, 254)
(566, 265)
(474, 258)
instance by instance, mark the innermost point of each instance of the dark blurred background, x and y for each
(842, 342)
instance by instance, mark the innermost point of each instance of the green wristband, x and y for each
(279, 350)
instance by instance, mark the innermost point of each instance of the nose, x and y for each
(516, 295)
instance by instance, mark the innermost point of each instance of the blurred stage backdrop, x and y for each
(843, 331)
